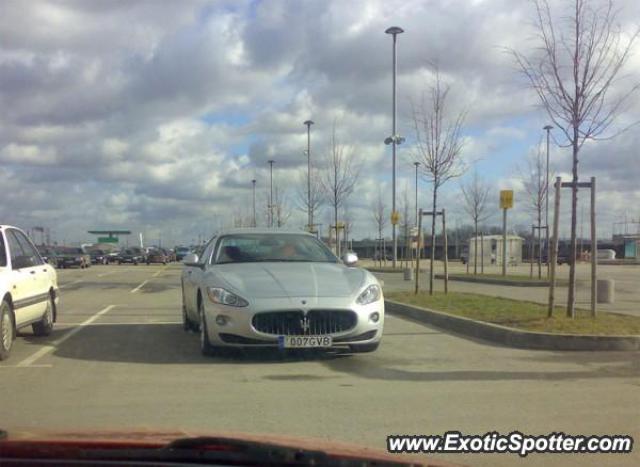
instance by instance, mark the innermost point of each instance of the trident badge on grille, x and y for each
(304, 324)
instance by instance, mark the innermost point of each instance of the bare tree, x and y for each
(533, 176)
(349, 222)
(339, 178)
(282, 212)
(580, 55)
(310, 202)
(380, 218)
(476, 194)
(439, 145)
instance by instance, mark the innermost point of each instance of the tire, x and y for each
(205, 345)
(364, 348)
(45, 325)
(187, 325)
(7, 333)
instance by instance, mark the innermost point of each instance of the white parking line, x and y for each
(140, 286)
(69, 283)
(156, 274)
(160, 271)
(49, 348)
(107, 273)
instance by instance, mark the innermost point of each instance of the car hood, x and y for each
(23, 440)
(276, 280)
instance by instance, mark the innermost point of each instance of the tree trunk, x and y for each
(475, 248)
(571, 300)
(433, 237)
(335, 223)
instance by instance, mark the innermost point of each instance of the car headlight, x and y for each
(369, 295)
(224, 297)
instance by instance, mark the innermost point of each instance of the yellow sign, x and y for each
(340, 225)
(506, 199)
(395, 217)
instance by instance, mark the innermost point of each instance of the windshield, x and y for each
(253, 248)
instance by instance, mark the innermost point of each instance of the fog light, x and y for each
(374, 317)
(222, 320)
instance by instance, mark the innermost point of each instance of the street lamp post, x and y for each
(271, 193)
(546, 212)
(309, 213)
(417, 164)
(253, 182)
(394, 31)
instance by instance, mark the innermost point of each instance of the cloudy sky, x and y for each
(155, 116)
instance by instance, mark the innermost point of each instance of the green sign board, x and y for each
(107, 240)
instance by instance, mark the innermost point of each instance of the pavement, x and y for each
(119, 359)
(626, 279)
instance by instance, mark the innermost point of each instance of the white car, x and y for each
(28, 288)
(267, 288)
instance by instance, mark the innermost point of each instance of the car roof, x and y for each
(251, 230)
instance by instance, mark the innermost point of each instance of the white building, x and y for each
(491, 247)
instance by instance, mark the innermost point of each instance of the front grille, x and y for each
(295, 323)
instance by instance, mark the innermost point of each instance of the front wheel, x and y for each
(205, 345)
(364, 348)
(6, 330)
(45, 325)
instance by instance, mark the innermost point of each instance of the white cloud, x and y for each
(155, 111)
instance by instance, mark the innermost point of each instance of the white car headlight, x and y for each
(224, 297)
(369, 295)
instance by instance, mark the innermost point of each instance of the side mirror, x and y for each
(350, 258)
(190, 258)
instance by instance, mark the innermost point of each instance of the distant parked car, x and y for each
(130, 256)
(380, 257)
(156, 255)
(98, 257)
(48, 254)
(69, 257)
(181, 252)
(171, 255)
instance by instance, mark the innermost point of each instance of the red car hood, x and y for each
(155, 439)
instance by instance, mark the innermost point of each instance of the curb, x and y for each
(490, 280)
(512, 337)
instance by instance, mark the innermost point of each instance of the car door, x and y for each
(29, 277)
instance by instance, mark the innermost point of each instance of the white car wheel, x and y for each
(45, 325)
(6, 331)
(205, 345)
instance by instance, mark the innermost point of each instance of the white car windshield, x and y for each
(252, 248)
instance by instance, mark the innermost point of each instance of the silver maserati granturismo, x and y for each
(271, 288)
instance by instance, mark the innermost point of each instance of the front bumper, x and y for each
(239, 330)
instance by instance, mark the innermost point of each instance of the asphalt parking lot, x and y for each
(118, 358)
